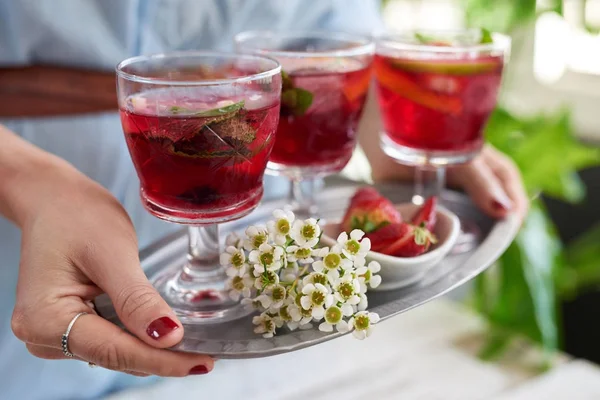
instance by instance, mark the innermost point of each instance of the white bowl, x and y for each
(397, 272)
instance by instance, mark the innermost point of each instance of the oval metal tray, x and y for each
(236, 339)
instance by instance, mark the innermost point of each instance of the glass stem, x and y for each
(302, 198)
(423, 189)
(203, 253)
(440, 182)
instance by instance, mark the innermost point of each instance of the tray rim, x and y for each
(496, 242)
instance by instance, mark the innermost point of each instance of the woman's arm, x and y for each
(25, 175)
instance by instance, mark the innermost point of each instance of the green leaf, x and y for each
(304, 99)
(486, 36)
(293, 99)
(582, 269)
(544, 149)
(213, 112)
(424, 39)
(523, 300)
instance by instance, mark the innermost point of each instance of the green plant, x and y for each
(521, 294)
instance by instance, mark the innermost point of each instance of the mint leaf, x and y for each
(424, 39)
(286, 81)
(294, 100)
(213, 112)
(304, 99)
(486, 36)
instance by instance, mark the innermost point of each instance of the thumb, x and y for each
(483, 187)
(139, 306)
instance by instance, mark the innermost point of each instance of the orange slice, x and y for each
(357, 88)
(400, 84)
(458, 67)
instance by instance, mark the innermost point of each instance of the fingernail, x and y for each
(498, 206)
(161, 327)
(199, 370)
(501, 202)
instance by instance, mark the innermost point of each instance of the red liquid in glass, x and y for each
(326, 133)
(429, 104)
(194, 167)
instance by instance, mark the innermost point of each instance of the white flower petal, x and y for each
(318, 312)
(358, 261)
(308, 289)
(373, 318)
(342, 326)
(321, 288)
(365, 245)
(292, 326)
(356, 234)
(342, 238)
(305, 302)
(325, 327)
(375, 281)
(360, 335)
(225, 259)
(318, 266)
(374, 267)
(231, 272)
(347, 310)
(329, 300)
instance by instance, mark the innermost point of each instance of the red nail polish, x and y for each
(161, 327)
(199, 370)
(499, 206)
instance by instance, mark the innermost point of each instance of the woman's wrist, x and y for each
(28, 176)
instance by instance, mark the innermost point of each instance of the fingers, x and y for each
(45, 352)
(484, 187)
(114, 266)
(99, 341)
(510, 177)
(50, 353)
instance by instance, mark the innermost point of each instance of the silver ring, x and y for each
(65, 337)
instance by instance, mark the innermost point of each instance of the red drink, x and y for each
(322, 136)
(196, 160)
(437, 104)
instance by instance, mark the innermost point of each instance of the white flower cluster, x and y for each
(279, 270)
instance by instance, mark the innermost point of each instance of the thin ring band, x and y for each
(65, 336)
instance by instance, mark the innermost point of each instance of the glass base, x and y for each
(436, 158)
(205, 217)
(303, 172)
(200, 298)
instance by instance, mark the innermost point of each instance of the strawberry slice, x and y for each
(369, 211)
(415, 241)
(427, 214)
(387, 235)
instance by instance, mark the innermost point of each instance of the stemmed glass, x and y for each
(436, 91)
(325, 82)
(200, 127)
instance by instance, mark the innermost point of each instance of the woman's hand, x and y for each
(77, 242)
(493, 182)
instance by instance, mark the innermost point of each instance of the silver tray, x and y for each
(236, 339)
